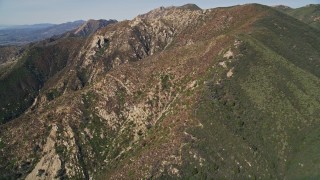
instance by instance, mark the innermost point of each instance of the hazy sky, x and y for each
(13, 12)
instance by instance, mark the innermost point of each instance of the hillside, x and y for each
(25, 69)
(9, 53)
(176, 93)
(309, 14)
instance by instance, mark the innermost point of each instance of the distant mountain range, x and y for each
(23, 34)
(86, 28)
(27, 26)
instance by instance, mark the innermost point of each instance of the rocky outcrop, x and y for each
(49, 166)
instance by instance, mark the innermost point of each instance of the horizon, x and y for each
(30, 12)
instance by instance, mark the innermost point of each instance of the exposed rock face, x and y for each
(178, 92)
(49, 165)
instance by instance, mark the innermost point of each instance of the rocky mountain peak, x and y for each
(190, 7)
(164, 11)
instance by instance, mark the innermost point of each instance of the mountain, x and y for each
(19, 35)
(176, 93)
(33, 26)
(190, 7)
(62, 28)
(92, 26)
(25, 69)
(4, 26)
(309, 14)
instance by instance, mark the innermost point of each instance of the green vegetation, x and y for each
(102, 49)
(309, 14)
(17, 91)
(121, 98)
(165, 82)
(259, 123)
(2, 145)
(82, 76)
(97, 139)
(59, 149)
(52, 94)
(139, 95)
(20, 85)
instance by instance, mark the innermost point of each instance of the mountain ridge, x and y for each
(309, 14)
(32, 33)
(24, 34)
(176, 93)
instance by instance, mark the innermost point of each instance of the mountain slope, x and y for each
(309, 14)
(22, 78)
(9, 53)
(226, 93)
(26, 69)
(270, 105)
